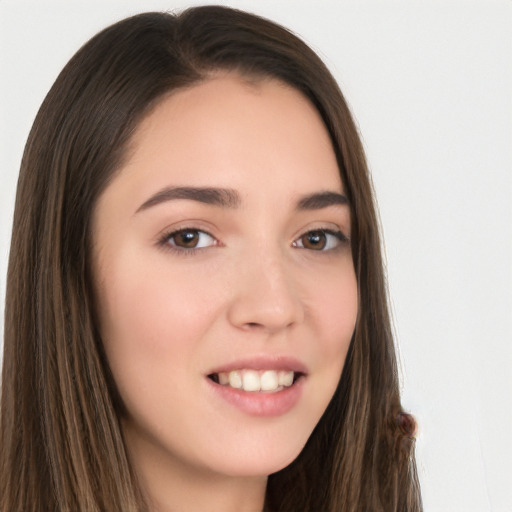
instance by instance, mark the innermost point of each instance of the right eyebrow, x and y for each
(223, 197)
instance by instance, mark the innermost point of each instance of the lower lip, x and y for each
(260, 403)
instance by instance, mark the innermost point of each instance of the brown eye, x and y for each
(316, 240)
(187, 238)
(320, 240)
(190, 239)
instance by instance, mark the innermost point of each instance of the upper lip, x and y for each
(286, 363)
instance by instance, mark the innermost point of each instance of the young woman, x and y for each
(196, 312)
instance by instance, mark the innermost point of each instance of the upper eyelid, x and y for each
(332, 229)
(172, 232)
(178, 227)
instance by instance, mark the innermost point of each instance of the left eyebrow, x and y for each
(319, 200)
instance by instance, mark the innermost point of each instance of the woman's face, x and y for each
(226, 289)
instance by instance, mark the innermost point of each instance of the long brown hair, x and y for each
(61, 446)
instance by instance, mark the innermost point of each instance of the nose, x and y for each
(265, 297)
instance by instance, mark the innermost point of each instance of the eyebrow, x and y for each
(228, 198)
(222, 197)
(319, 200)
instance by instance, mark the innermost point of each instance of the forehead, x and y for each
(253, 136)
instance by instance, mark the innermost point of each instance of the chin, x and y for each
(256, 460)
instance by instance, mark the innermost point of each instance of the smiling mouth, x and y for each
(257, 381)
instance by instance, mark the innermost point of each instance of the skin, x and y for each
(253, 286)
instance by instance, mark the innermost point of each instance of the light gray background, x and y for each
(430, 84)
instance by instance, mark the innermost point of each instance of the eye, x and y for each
(189, 239)
(320, 240)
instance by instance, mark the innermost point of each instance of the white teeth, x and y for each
(257, 380)
(269, 380)
(285, 378)
(251, 381)
(223, 379)
(235, 380)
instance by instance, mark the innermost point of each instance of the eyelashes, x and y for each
(189, 241)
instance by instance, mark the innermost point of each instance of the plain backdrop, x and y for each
(430, 85)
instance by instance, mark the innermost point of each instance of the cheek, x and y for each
(339, 311)
(334, 305)
(334, 309)
(150, 315)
